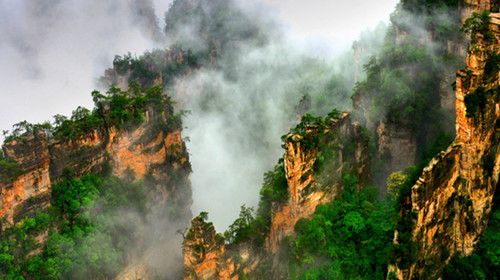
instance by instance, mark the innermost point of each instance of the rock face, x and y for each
(397, 146)
(452, 199)
(126, 152)
(206, 256)
(305, 192)
(203, 251)
(33, 158)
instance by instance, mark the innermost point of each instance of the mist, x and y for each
(257, 90)
(55, 50)
(52, 51)
(297, 59)
(235, 137)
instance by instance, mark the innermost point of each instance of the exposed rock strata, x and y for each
(203, 251)
(124, 152)
(453, 198)
(217, 260)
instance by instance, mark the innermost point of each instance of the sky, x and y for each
(52, 51)
(329, 26)
(49, 62)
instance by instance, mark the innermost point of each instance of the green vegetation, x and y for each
(348, 238)
(404, 251)
(478, 23)
(489, 160)
(408, 99)
(216, 29)
(88, 226)
(326, 154)
(254, 225)
(221, 24)
(151, 66)
(484, 263)
(394, 181)
(9, 169)
(354, 231)
(254, 229)
(475, 101)
(316, 125)
(120, 109)
(274, 188)
(492, 66)
(403, 83)
(90, 229)
(23, 129)
(242, 228)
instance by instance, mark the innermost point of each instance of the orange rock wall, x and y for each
(204, 253)
(453, 197)
(33, 157)
(217, 261)
(43, 161)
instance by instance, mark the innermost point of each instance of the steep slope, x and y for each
(127, 155)
(451, 202)
(124, 151)
(446, 211)
(206, 256)
(304, 187)
(406, 98)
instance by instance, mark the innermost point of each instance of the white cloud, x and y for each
(329, 26)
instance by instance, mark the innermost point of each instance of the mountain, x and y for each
(126, 159)
(443, 204)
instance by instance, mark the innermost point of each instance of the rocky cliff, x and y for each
(138, 152)
(205, 254)
(452, 200)
(146, 151)
(33, 158)
(306, 191)
(403, 138)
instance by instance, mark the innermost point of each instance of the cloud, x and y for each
(239, 111)
(52, 51)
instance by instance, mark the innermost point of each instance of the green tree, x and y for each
(394, 182)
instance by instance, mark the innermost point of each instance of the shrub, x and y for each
(9, 169)
(344, 239)
(475, 101)
(478, 23)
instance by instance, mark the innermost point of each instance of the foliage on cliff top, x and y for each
(478, 23)
(153, 65)
(91, 228)
(311, 128)
(116, 108)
